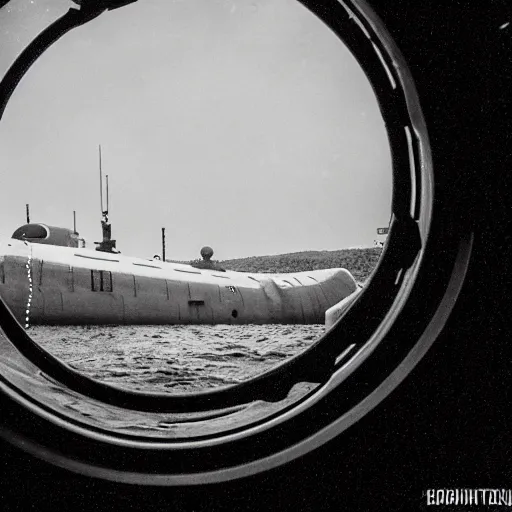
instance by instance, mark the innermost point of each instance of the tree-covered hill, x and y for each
(360, 262)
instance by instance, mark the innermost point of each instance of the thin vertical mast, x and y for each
(163, 244)
(74, 221)
(106, 177)
(28, 215)
(101, 182)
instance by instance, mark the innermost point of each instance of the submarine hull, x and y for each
(51, 285)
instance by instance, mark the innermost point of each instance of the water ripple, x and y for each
(175, 358)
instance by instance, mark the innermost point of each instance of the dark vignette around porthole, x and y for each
(377, 327)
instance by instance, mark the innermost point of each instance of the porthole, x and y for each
(296, 406)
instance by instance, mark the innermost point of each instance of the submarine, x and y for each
(47, 278)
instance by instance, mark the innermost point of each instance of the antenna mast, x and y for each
(28, 215)
(106, 177)
(163, 244)
(101, 181)
(107, 244)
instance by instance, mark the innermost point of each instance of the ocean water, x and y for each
(177, 358)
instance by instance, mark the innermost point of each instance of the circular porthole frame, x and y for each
(392, 323)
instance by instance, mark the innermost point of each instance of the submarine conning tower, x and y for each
(49, 235)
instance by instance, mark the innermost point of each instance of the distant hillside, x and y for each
(360, 262)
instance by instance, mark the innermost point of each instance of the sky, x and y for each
(245, 125)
